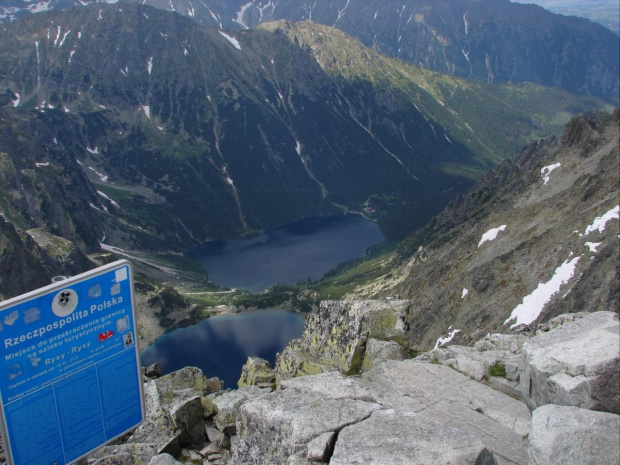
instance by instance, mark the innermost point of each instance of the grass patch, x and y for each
(498, 370)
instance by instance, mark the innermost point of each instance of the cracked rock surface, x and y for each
(399, 412)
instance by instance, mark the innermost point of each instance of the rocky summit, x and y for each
(449, 406)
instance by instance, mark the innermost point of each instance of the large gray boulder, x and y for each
(227, 406)
(576, 364)
(443, 395)
(391, 438)
(281, 425)
(336, 337)
(174, 412)
(574, 436)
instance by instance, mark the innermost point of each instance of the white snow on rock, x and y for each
(600, 221)
(593, 246)
(465, 292)
(62, 41)
(107, 198)
(533, 304)
(491, 234)
(545, 171)
(444, 340)
(241, 13)
(231, 39)
(40, 7)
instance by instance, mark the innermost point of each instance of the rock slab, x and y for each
(576, 364)
(573, 436)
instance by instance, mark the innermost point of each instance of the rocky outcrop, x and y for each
(337, 338)
(257, 372)
(432, 412)
(573, 436)
(577, 364)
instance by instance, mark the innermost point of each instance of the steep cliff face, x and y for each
(534, 238)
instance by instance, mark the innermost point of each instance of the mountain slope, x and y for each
(486, 40)
(534, 238)
(224, 134)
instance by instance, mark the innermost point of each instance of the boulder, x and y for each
(228, 404)
(391, 438)
(576, 364)
(257, 372)
(336, 337)
(154, 370)
(281, 425)
(157, 428)
(164, 459)
(174, 412)
(573, 436)
(124, 454)
(378, 352)
(441, 394)
(187, 415)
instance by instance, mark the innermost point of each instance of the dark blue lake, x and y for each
(221, 345)
(307, 248)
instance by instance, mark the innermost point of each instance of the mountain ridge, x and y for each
(486, 40)
(158, 103)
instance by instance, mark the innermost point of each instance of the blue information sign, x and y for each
(70, 376)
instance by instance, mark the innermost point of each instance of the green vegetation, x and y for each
(498, 369)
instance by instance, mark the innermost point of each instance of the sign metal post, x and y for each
(70, 372)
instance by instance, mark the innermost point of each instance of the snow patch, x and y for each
(600, 221)
(444, 340)
(107, 198)
(62, 41)
(465, 292)
(40, 7)
(528, 310)
(241, 14)
(491, 234)
(545, 171)
(232, 40)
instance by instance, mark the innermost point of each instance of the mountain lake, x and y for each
(221, 345)
(305, 249)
